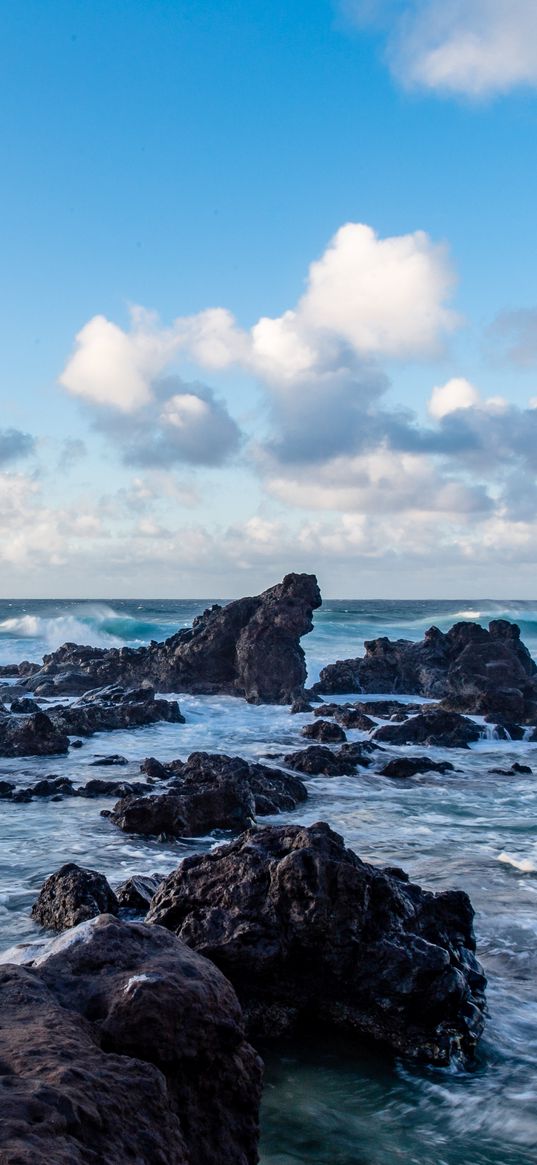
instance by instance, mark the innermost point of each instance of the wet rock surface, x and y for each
(35, 735)
(307, 933)
(409, 766)
(73, 895)
(208, 791)
(440, 729)
(250, 648)
(318, 760)
(478, 671)
(325, 731)
(114, 707)
(124, 1046)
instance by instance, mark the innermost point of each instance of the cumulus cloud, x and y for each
(15, 444)
(475, 48)
(365, 297)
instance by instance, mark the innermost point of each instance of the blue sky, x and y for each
(176, 158)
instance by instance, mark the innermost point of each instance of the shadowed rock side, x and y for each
(124, 1046)
(46, 733)
(308, 933)
(249, 648)
(474, 670)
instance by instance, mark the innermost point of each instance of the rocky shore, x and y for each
(127, 1039)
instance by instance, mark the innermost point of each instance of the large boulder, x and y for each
(250, 648)
(73, 895)
(34, 735)
(124, 1046)
(308, 933)
(477, 670)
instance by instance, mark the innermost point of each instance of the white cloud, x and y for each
(475, 48)
(458, 393)
(365, 297)
(115, 369)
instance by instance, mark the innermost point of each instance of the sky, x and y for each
(269, 299)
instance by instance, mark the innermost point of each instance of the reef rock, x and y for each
(308, 933)
(250, 648)
(114, 707)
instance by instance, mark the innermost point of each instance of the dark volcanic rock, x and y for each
(477, 671)
(324, 731)
(112, 708)
(109, 761)
(26, 706)
(439, 728)
(136, 893)
(308, 933)
(249, 648)
(99, 788)
(336, 679)
(301, 705)
(318, 760)
(125, 1047)
(73, 895)
(209, 791)
(408, 766)
(34, 735)
(219, 800)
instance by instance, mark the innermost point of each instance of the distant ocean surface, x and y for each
(326, 1103)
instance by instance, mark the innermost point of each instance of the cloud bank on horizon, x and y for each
(345, 474)
(472, 48)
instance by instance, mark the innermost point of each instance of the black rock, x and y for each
(73, 895)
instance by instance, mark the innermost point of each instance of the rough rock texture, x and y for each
(124, 1048)
(317, 760)
(136, 892)
(249, 648)
(73, 895)
(443, 729)
(208, 791)
(34, 735)
(114, 707)
(325, 731)
(478, 671)
(308, 933)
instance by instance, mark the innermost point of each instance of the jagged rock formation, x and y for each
(34, 735)
(475, 670)
(249, 648)
(208, 791)
(308, 933)
(121, 1045)
(438, 728)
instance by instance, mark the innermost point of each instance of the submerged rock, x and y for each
(124, 1046)
(408, 766)
(73, 895)
(308, 933)
(251, 648)
(318, 760)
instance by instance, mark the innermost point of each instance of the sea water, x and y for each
(327, 1102)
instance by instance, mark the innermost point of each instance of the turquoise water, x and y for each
(328, 1103)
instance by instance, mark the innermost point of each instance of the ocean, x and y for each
(327, 1102)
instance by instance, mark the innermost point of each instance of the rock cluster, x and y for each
(207, 792)
(487, 672)
(250, 648)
